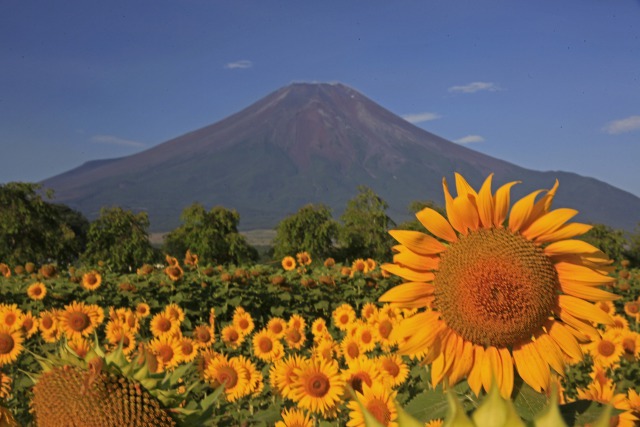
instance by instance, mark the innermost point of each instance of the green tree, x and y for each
(633, 250)
(610, 241)
(365, 226)
(415, 207)
(212, 235)
(34, 230)
(120, 239)
(311, 229)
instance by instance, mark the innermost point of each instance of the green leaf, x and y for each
(406, 420)
(528, 402)
(583, 412)
(434, 403)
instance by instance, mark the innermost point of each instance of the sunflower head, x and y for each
(91, 280)
(288, 263)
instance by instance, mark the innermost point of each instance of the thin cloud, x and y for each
(421, 117)
(114, 140)
(243, 63)
(475, 87)
(469, 139)
(629, 124)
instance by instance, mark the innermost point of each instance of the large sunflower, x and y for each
(318, 386)
(10, 344)
(503, 292)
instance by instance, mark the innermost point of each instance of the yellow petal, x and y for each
(590, 293)
(570, 247)
(463, 362)
(491, 368)
(541, 207)
(578, 273)
(419, 243)
(564, 339)
(585, 332)
(550, 352)
(455, 218)
(485, 203)
(414, 261)
(583, 310)
(463, 188)
(407, 292)
(475, 376)
(407, 273)
(437, 224)
(506, 387)
(521, 210)
(502, 203)
(565, 232)
(549, 222)
(467, 213)
(531, 367)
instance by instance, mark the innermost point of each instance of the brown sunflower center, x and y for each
(366, 337)
(385, 328)
(79, 321)
(10, 319)
(92, 280)
(352, 350)
(633, 307)
(187, 348)
(36, 290)
(380, 411)
(265, 345)
(233, 336)
(276, 328)
(6, 343)
(629, 345)
(164, 324)
(203, 335)
(227, 376)
(46, 322)
(317, 385)
(358, 379)
(391, 367)
(243, 323)
(165, 353)
(294, 336)
(495, 288)
(606, 348)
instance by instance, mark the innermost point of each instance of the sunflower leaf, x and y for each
(583, 412)
(527, 401)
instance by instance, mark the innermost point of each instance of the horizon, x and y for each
(547, 87)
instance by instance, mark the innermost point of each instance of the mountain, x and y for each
(311, 143)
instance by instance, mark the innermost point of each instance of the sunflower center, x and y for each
(294, 336)
(187, 348)
(37, 291)
(317, 385)
(6, 343)
(92, 280)
(391, 367)
(352, 350)
(203, 335)
(380, 411)
(10, 319)
(495, 288)
(227, 376)
(358, 379)
(344, 319)
(244, 324)
(265, 345)
(79, 321)
(629, 345)
(233, 336)
(366, 337)
(164, 324)
(606, 348)
(385, 328)
(46, 322)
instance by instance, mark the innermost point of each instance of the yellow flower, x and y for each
(366, 336)
(288, 263)
(229, 372)
(80, 346)
(91, 280)
(606, 306)
(378, 401)
(167, 350)
(243, 321)
(174, 272)
(294, 418)
(190, 259)
(502, 291)
(266, 346)
(203, 334)
(297, 322)
(630, 344)
(48, 325)
(231, 336)
(5, 386)
(632, 308)
(350, 348)
(277, 327)
(29, 324)
(117, 334)
(163, 324)
(294, 338)
(37, 291)
(303, 258)
(79, 319)
(360, 372)
(188, 348)
(329, 262)
(360, 266)
(343, 316)
(319, 327)
(10, 315)
(5, 270)
(318, 386)
(369, 311)
(143, 309)
(393, 369)
(171, 261)
(607, 350)
(10, 344)
(174, 311)
(282, 374)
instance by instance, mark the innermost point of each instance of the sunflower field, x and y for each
(495, 315)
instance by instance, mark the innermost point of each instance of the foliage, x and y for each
(212, 235)
(119, 238)
(311, 229)
(608, 240)
(365, 226)
(633, 251)
(34, 230)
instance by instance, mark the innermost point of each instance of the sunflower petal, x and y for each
(455, 216)
(491, 368)
(407, 292)
(463, 363)
(419, 243)
(437, 224)
(589, 293)
(416, 262)
(485, 203)
(550, 352)
(506, 387)
(468, 213)
(578, 273)
(549, 222)
(407, 273)
(542, 206)
(521, 210)
(572, 246)
(583, 310)
(463, 188)
(582, 330)
(564, 339)
(502, 202)
(475, 375)
(565, 232)
(531, 367)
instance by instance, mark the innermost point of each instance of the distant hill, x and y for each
(311, 143)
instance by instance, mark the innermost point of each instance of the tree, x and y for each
(365, 226)
(415, 207)
(34, 230)
(633, 251)
(311, 229)
(211, 235)
(120, 239)
(610, 241)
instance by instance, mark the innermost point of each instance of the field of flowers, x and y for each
(529, 327)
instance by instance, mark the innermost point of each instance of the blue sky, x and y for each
(548, 85)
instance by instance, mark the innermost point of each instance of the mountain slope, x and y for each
(309, 143)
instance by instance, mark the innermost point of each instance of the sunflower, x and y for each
(5, 271)
(632, 308)
(371, 264)
(167, 350)
(288, 263)
(369, 312)
(343, 316)
(303, 258)
(171, 261)
(266, 345)
(190, 259)
(378, 401)
(360, 266)
(383, 327)
(163, 324)
(294, 418)
(80, 346)
(48, 325)
(294, 338)
(619, 322)
(174, 272)
(254, 377)
(438, 422)
(607, 350)
(79, 319)
(10, 315)
(189, 349)
(361, 371)
(10, 344)
(282, 373)
(350, 348)
(231, 336)
(203, 335)
(143, 309)
(230, 373)
(91, 280)
(366, 337)
(277, 326)
(117, 335)
(174, 311)
(631, 345)
(297, 322)
(5, 385)
(318, 386)
(37, 291)
(504, 293)
(393, 369)
(319, 328)
(243, 321)
(606, 306)
(325, 348)
(329, 262)
(29, 324)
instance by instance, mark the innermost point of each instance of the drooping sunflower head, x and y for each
(303, 258)
(174, 272)
(494, 277)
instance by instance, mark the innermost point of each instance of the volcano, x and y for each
(311, 143)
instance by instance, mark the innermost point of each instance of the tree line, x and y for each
(33, 229)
